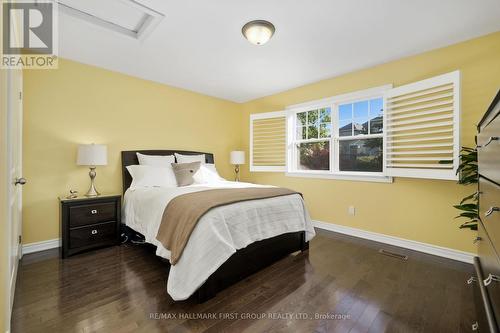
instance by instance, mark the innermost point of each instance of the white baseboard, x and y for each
(41, 246)
(396, 241)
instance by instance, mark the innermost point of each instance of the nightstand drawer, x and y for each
(93, 213)
(93, 235)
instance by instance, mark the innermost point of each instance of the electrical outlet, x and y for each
(351, 211)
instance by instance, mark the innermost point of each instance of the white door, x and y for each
(14, 173)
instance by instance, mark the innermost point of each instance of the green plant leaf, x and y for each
(467, 198)
(472, 196)
(467, 172)
(469, 226)
(465, 180)
(470, 215)
(467, 207)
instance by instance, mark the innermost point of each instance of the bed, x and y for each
(209, 265)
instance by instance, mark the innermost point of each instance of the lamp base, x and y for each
(92, 192)
(237, 172)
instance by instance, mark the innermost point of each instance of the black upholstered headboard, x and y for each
(129, 157)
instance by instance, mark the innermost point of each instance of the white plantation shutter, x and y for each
(268, 141)
(422, 128)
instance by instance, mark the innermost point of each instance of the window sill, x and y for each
(324, 175)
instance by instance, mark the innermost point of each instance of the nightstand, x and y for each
(88, 223)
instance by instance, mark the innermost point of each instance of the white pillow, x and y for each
(155, 160)
(207, 174)
(190, 158)
(151, 176)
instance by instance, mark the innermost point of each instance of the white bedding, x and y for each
(218, 234)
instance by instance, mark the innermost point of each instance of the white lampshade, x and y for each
(92, 155)
(238, 157)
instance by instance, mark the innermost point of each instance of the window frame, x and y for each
(333, 103)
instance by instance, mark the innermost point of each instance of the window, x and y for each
(409, 131)
(312, 139)
(339, 136)
(360, 135)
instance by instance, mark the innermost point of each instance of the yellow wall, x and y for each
(408, 208)
(83, 104)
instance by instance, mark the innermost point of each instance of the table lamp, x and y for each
(92, 155)
(237, 159)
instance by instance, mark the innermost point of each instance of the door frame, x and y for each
(4, 202)
(11, 93)
(14, 193)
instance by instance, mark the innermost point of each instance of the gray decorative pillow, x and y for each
(184, 172)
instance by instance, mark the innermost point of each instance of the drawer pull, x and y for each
(491, 139)
(94, 232)
(475, 326)
(471, 280)
(93, 211)
(491, 210)
(477, 239)
(489, 279)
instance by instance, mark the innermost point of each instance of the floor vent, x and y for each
(392, 254)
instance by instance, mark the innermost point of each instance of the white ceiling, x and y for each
(199, 45)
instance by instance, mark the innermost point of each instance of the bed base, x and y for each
(243, 263)
(250, 260)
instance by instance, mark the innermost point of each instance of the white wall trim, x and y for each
(338, 176)
(377, 237)
(440, 251)
(41, 246)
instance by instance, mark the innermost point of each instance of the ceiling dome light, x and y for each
(258, 32)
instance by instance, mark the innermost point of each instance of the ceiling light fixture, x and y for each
(258, 32)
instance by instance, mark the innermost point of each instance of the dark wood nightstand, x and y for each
(88, 223)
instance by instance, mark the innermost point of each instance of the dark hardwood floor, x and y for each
(342, 284)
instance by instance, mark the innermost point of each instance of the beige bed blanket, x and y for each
(183, 212)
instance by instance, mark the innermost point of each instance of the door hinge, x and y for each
(21, 95)
(20, 239)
